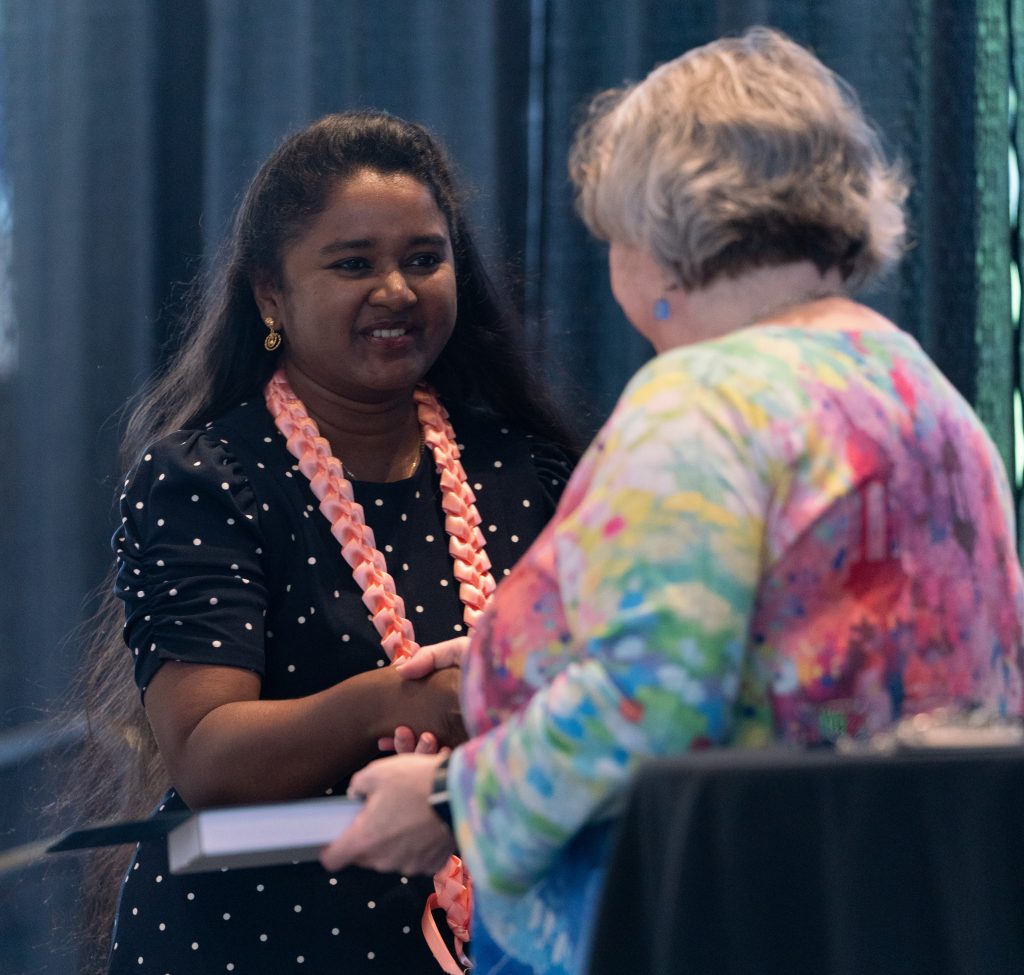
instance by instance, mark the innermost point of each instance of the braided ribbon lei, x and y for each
(453, 886)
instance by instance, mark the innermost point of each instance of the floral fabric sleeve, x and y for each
(621, 634)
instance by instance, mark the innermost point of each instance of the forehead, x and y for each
(374, 205)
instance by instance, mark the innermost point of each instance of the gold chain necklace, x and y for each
(414, 466)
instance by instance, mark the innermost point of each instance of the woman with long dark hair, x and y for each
(299, 510)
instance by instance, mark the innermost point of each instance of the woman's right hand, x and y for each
(439, 695)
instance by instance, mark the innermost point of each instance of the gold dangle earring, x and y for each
(273, 340)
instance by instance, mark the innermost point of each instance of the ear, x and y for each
(269, 300)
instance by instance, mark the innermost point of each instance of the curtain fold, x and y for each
(915, 67)
(78, 115)
(1016, 209)
(461, 68)
(995, 372)
(80, 124)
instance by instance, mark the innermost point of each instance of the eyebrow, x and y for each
(362, 243)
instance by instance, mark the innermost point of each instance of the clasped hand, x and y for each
(436, 656)
(396, 830)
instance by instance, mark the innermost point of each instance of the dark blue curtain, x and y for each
(127, 131)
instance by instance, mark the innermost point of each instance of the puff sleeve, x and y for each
(189, 553)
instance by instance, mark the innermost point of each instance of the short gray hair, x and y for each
(744, 153)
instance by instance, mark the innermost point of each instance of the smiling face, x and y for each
(368, 293)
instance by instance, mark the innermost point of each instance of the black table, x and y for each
(734, 863)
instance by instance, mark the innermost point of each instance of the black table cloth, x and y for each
(813, 862)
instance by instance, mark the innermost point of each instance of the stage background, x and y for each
(128, 129)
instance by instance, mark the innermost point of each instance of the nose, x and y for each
(393, 291)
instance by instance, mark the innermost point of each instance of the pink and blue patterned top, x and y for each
(786, 534)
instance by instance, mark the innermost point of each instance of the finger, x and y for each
(361, 784)
(436, 656)
(427, 744)
(405, 740)
(449, 653)
(386, 744)
(417, 666)
(342, 851)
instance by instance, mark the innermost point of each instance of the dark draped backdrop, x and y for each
(128, 130)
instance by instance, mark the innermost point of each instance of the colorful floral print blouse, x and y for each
(786, 534)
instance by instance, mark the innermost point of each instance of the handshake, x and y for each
(397, 829)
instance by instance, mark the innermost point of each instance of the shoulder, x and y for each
(752, 379)
(760, 354)
(219, 463)
(198, 452)
(702, 417)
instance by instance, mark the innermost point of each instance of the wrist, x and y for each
(439, 796)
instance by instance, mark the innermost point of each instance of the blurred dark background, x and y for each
(128, 129)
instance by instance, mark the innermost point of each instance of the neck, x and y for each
(730, 304)
(348, 521)
(376, 439)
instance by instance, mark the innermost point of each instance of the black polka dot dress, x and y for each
(224, 558)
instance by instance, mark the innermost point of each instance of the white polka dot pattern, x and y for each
(337, 929)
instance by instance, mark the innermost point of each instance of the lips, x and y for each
(397, 337)
(387, 330)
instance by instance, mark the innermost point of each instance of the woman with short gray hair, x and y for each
(792, 529)
(742, 154)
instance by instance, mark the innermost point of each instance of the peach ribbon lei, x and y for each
(452, 884)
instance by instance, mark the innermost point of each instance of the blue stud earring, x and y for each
(661, 309)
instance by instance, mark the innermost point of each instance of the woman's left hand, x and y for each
(396, 831)
(435, 656)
